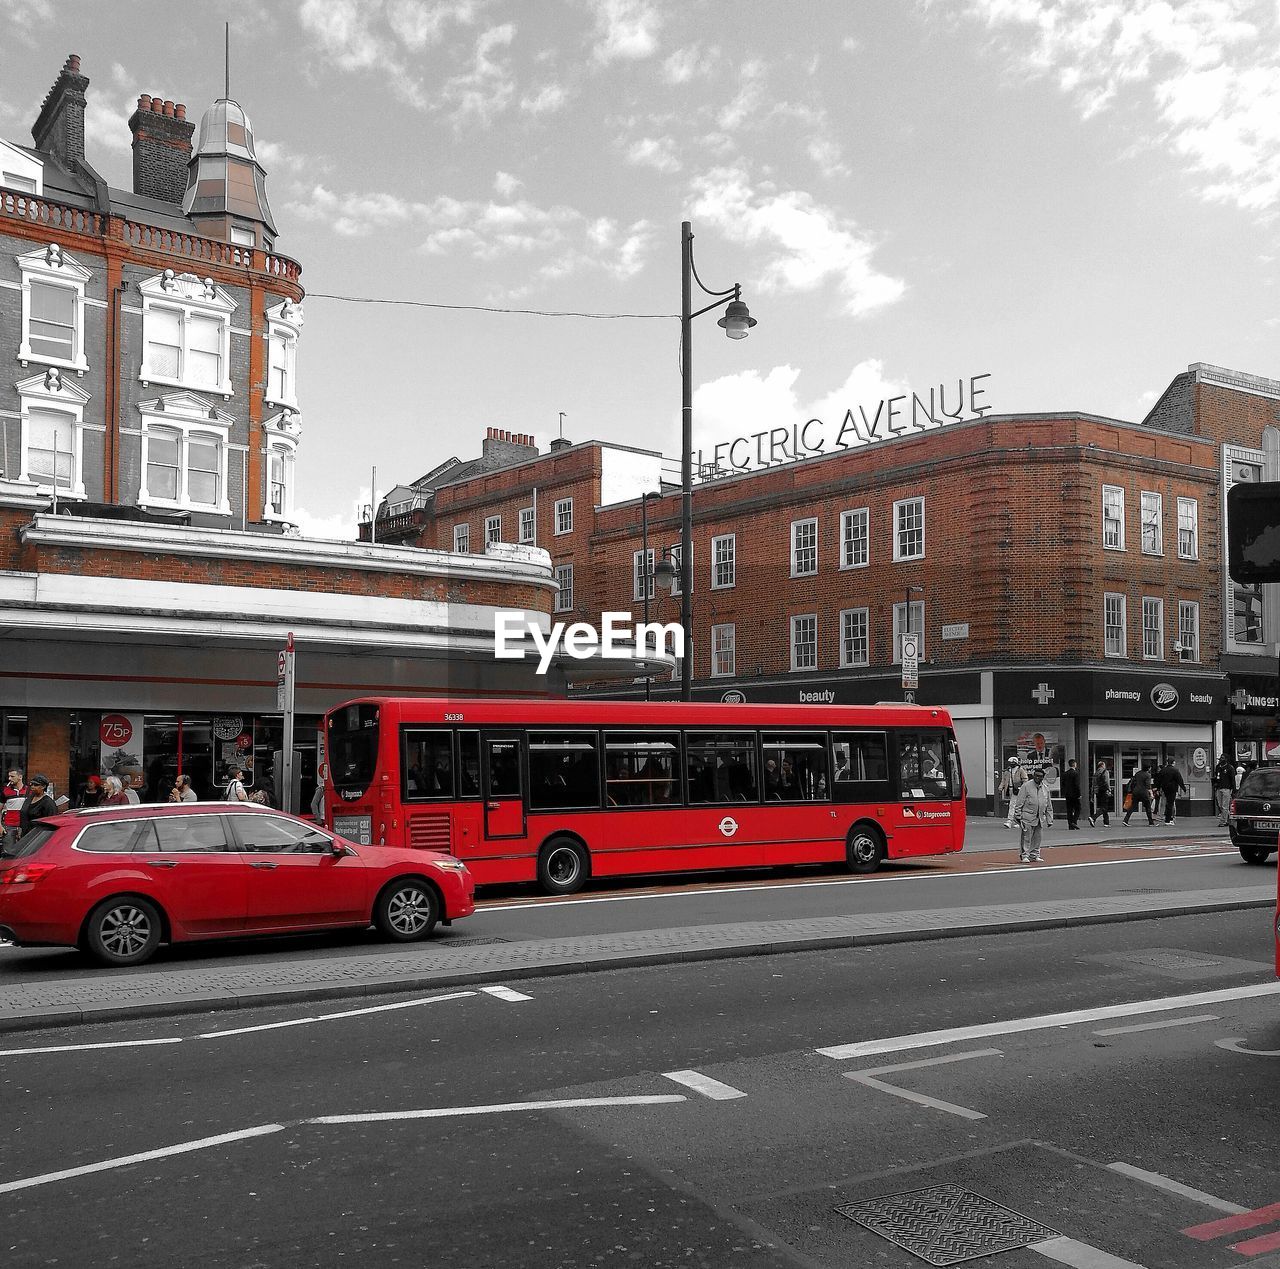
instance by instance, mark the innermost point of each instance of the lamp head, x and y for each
(737, 320)
(664, 575)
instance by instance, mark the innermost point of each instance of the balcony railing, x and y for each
(42, 211)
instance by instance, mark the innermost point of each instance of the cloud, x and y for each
(417, 25)
(486, 87)
(655, 152)
(749, 98)
(803, 244)
(547, 100)
(506, 184)
(625, 30)
(22, 18)
(689, 63)
(108, 108)
(332, 527)
(1208, 71)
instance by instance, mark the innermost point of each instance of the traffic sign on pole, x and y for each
(910, 662)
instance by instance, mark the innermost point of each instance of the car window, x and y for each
(268, 834)
(31, 841)
(115, 837)
(1261, 784)
(184, 834)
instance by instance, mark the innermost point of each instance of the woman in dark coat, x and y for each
(38, 805)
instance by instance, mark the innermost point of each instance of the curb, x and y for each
(208, 1002)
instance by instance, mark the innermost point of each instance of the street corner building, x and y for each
(149, 424)
(1064, 574)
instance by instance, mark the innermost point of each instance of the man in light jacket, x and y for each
(1032, 812)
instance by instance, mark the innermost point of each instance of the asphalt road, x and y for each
(1019, 1122)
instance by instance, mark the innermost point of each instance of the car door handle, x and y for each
(263, 863)
(162, 863)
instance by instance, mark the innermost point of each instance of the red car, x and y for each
(120, 881)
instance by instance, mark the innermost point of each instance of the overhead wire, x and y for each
(492, 308)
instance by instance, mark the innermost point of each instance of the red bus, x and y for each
(560, 791)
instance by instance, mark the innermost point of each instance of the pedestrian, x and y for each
(1012, 778)
(37, 805)
(1071, 791)
(265, 793)
(1224, 785)
(91, 795)
(12, 797)
(1139, 795)
(129, 782)
(317, 803)
(1171, 784)
(113, 793)
(236, 792)
(182, 790)
(1101, 795)
(1033, 813)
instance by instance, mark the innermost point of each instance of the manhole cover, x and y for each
(468, 941)
(946, 1224)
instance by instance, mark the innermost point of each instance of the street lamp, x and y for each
(906, 621)
(736, 323)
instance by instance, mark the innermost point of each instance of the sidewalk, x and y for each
(452, 959)
(987, 832)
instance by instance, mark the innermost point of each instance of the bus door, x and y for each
(502, 785)
(927, 770)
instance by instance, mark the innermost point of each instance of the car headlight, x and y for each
(451, 865)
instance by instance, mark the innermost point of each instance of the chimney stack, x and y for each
(59, 128)
(161, 148)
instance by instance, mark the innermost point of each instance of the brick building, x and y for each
(1064, 572)
(149, 571)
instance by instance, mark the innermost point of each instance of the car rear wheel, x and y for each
(562, 866)
(1255, 854)
(123, 931)
(865, 848)
(407, 910)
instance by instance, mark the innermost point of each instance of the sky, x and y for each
(1076, 198)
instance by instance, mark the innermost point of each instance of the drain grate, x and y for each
(468, 941)
(946, 1224)
(1145, 890)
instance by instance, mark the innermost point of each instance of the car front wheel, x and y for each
(407, 910)
(123, 931)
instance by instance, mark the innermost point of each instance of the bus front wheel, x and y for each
(562, 866)
(865, 848)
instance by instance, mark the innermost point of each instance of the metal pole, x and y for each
(244, 488)
(686, 457)
(373, 508)
(644, 580)
(285, 773)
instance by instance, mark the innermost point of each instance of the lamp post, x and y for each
(737, 323)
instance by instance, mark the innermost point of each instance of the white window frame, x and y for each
(724, 561)
(280, 433)
(1152, 604)
(809, 523)
(50, 393)
(187, 297)
(492, 529)
(724, 650)
(564, 594)
(1147, 499)
(795, 644)
(51, 266)
(462, 539)
(917, 627)
(1189, 608)
(638, 573)
(526, 528)
(855, 516)
(186, 414)
(283, 453)
(284, 326)
(1233, 458)
(1123, 603)
(1191, 506)
(864, 615)
(19, 172)
(1117, 492)
(563, 517)
(902, 531)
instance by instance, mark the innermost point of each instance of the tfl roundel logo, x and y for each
(1165, 696)
(728, 826)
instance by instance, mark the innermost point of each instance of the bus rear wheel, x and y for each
(562, 866)
(865, 848)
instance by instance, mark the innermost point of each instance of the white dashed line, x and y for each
(869, 1079)
(82, 1048)
(505, 993)
(1158, 1026)
(1066, 1251)
(705, 1085)
(501, 1108)
(330, 1017)
(1176, 1187)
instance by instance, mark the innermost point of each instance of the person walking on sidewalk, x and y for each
(1140, 794)
(1101, 795)
(1012, 779)
(1171, 784)
(1071, 793)
(1224, 785)
(38, 805)
(13, 795)
(1033, 813)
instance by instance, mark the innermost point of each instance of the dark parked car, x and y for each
(1255, 815)
(121, 880)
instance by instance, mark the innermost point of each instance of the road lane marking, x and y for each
(124, 1161)
(1256, 1246)
(1043, 1022)
(330, 1017)
(505, 993)
(1158, 1026)
(1066, 1251)
(869, 1078)
(705, 1085)
(1176, 1187)
(81, 1048)
(1235, 1044)
(1235, 1224)
(501, 1108)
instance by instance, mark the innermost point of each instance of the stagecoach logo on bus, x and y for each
(619, 636)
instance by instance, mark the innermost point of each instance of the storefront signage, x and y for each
(1246, 702)
(863, 424)
(959, 631)
(227, 726)
(120, 745)
(1087, 694)
(1164, 696)
(115, 731)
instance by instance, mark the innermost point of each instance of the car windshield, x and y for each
(1261, 784)
(30, 842)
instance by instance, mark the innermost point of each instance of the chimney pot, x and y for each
(144, 102)
(180, 111)
(168, 109)
(73, 63)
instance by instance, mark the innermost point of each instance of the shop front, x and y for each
(1253, 729)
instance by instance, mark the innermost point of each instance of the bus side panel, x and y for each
(812, 833)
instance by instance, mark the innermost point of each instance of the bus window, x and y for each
(795, 768)
(353, 748)
(642, 769)
(504, 771)
(926, 766)
(722, 768)
(862, 766)
(469, 764)
(563, 770)
(427, 765)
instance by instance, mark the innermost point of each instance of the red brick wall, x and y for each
(49, 746)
